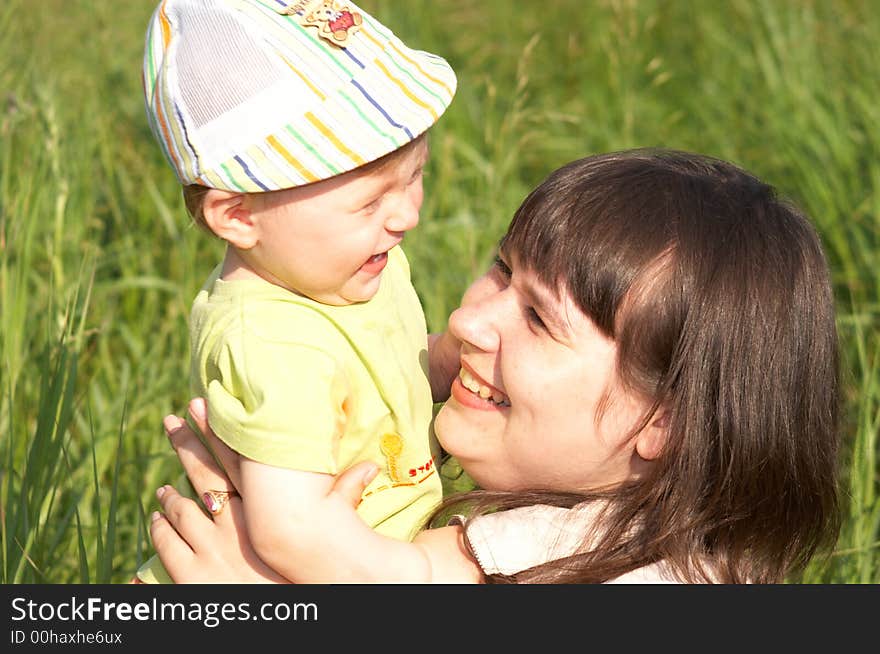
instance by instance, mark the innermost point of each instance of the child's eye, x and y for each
(417, 176)
(372, 206)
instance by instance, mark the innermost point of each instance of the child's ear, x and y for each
(229, 216)
(650, 441)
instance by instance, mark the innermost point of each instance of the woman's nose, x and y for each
(474, 323)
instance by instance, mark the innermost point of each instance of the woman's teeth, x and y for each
(468, 381)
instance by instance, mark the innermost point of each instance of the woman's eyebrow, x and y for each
(544, 302)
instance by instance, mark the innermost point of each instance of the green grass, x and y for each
(98, 262)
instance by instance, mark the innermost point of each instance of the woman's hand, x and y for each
(443, 363)
(198, 548)
(195, 547)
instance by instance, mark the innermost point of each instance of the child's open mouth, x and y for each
(376, 263)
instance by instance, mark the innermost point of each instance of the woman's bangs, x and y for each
(583, 244)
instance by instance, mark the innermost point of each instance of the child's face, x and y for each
(330, 240)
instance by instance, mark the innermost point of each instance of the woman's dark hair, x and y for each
(717, 294)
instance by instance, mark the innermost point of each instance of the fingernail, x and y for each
(160, 492)
(370, 475)
(197, 408)
(171, 423)
(155, 515)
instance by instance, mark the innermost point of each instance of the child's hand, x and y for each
(350, 484)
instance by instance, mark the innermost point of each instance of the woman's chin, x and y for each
(458, 423)
(444, 426)
(460, 434)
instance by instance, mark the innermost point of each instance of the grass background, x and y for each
(98, 263)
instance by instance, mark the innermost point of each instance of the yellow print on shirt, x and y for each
(391, 446)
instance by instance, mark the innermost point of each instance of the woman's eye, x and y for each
(502, 267)
(534, 319)
(417, 175)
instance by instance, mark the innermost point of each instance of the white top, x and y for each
(507, 542)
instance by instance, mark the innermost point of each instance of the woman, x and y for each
(648, 392)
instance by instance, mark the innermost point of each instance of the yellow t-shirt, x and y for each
(294, 383)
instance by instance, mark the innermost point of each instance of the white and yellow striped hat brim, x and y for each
(244, 97)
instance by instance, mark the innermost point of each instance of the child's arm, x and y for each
(451, 562)
(310, 534)
(443, 363)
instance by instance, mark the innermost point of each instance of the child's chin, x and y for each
(361, 293)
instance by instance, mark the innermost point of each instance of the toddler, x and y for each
(298, 130)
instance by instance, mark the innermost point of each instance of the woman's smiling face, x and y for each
(536, 404)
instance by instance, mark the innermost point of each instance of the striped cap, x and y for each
(244, 97)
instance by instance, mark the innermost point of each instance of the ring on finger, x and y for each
(216, 500)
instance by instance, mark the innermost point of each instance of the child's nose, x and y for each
(404, 215)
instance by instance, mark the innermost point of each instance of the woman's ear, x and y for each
(229, 216)
(650, 441)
